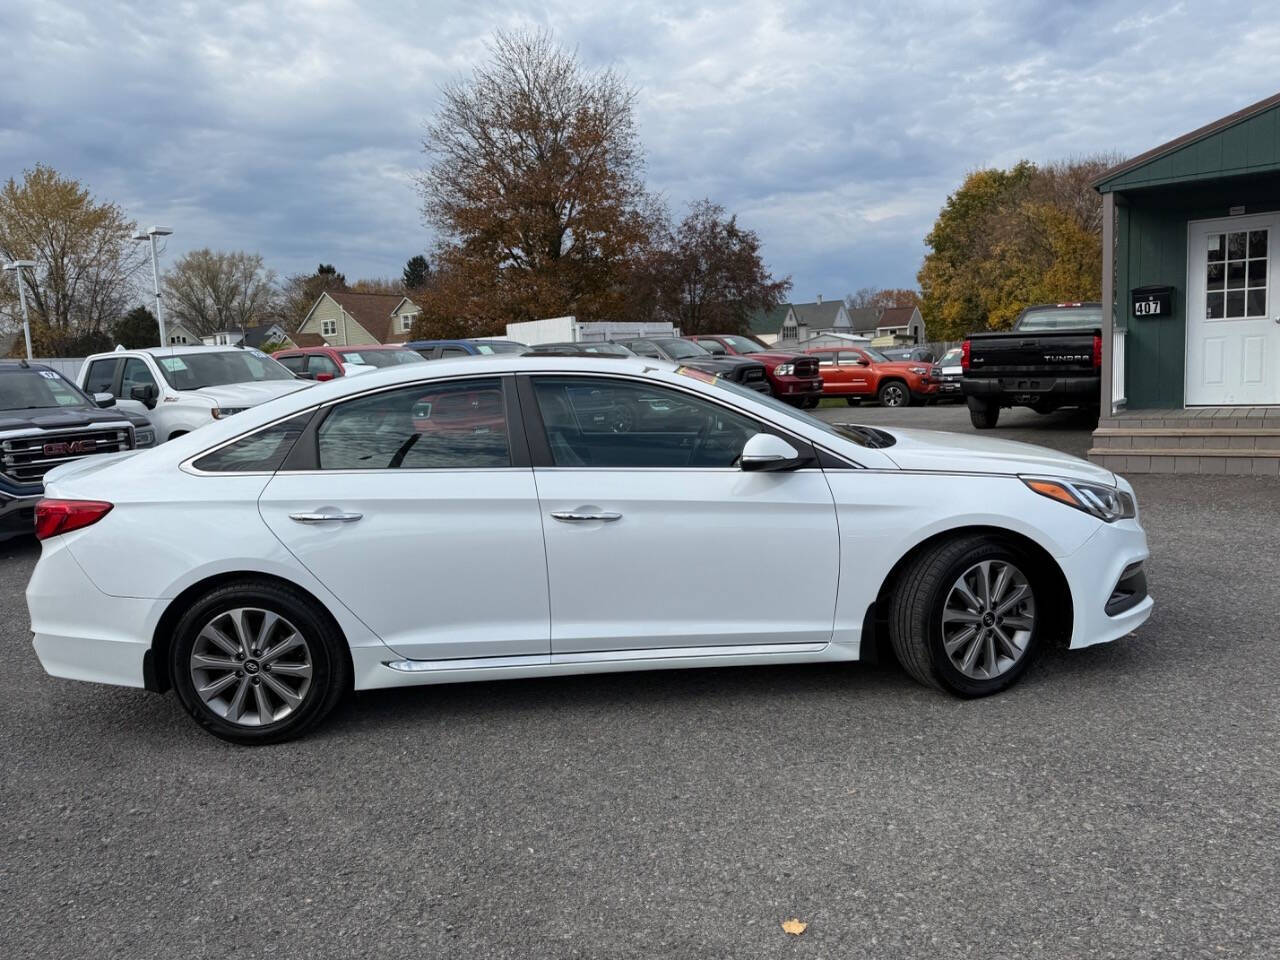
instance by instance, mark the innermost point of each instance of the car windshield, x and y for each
(743, 344)
(682, 349)
(1061, 318)
(498, 346)
(191, 371)
(875, 355)
(862, 436)
(26, 389)
(380, 358)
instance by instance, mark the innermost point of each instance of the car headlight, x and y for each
(784, 369)
(220, 412)
(919, 371)
(1105, 503)
(144, 437)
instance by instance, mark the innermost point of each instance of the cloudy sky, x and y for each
(835, 130)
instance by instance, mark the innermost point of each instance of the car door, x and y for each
(855, 371)
(134, 372)
(415, 505)
(655, 539)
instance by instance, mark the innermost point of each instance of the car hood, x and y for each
(776, 356)
(716, 363)
(248, 394)
(60, 418)
(934, 450)
(900, 366)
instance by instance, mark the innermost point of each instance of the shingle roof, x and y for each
(256, 336)
(864, 319)
(896, 316)
(373, 311)
(767, 321)
(307, 339)
(818, 316)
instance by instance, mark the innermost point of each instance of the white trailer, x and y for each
(573, 330)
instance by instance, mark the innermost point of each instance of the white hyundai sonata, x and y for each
(537, 516)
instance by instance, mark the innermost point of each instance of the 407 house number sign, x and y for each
(1153, 301)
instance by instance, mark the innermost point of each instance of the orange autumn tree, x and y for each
(534, 186)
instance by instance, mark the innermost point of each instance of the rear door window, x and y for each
(458, 424)
(261, 452)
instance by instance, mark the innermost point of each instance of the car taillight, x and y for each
(1097, 351)
(964, 356)
(62, 516)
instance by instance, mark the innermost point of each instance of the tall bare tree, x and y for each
(212, 290)
(86, 262)
(534, 182)
(709, 276)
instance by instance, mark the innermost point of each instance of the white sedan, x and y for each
(539, 516)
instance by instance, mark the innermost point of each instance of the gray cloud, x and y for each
(835, 130)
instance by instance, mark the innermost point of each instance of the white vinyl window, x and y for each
(406, 321)
(1236, 274)
(328, 327)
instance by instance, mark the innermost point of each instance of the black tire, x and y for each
(983, 414)
(811, 402)
(853, 401)
(916, 607)
(894, 393)
(329, 656)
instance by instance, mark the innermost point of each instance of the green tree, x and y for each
(137, 329)
(299, 292)
(87, 263)
(416, 273)
(1010, 238)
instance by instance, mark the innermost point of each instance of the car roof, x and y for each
(18, 366)
(175, 351)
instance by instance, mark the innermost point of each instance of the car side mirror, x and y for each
(862, 362)
(104, 400)
(145, 393)
(765, 451)
(323, 377)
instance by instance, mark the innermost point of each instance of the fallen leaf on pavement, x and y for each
(794, 927)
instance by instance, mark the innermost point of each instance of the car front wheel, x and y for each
(895, 394)
(255, 662)
(964, 617)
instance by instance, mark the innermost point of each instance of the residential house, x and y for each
(179, 335)
(900, 325)
(340, 318)
(793, 323)
(254, 336)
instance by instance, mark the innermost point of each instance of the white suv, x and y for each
(182, 388)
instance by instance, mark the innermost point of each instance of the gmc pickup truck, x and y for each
(1051, 358)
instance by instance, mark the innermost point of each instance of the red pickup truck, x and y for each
(861, 373)
(792, 376)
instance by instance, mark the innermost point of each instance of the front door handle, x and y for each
(325, 517)
(573, 516)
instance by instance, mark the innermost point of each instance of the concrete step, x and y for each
(1187, 438)
(1215, 459)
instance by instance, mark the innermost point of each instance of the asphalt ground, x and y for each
(1121, 801)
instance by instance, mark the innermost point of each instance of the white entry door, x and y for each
(1233, 312)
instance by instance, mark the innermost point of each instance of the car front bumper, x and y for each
(1095, 571)
(796, 386)
(17, 509)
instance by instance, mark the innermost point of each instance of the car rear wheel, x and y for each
(983, 414)
(964, 616)
(895, 394)
(256, 662)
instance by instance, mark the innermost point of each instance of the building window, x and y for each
(406, 321)
(328, 328)
(1236, 275)
(788, 332)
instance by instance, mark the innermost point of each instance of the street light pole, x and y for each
(16, 266)
(151, 234)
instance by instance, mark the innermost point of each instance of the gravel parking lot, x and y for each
(1122, 801)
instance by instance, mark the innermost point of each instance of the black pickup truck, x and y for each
(46, 420)
(1051, 358)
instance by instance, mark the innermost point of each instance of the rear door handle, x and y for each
(325, 517)
(573, 516)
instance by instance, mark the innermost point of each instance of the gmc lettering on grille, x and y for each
(69, 448)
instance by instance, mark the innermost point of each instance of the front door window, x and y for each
(1236, 274)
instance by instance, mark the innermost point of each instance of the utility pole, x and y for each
(16, 266)
(151, 234)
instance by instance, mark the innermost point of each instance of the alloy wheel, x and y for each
(250, 666)
(893, 396)
(988, 619)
